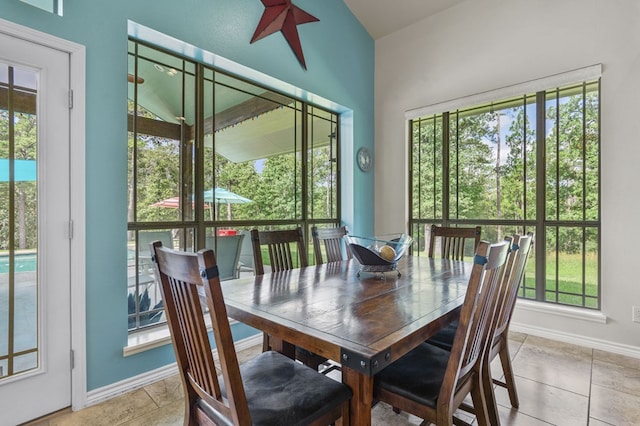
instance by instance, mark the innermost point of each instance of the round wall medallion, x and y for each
(364, 159)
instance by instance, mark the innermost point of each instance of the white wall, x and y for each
(482, 45)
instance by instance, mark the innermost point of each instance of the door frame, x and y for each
(77, 69)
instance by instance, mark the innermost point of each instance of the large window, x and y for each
(527, 163)
(213, 156)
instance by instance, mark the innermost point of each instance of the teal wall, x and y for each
(340, 60)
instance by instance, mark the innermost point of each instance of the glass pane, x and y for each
(25, 362)
(322, 164)
(25, 79)
(592, 152)
(572, 266)
(163, 98)
(572, 153)
(18, 221)
(518, 170)
(230, 171)
(427, 168)
(144, 296)
(257, 143)
(472, 158)
(492, 161)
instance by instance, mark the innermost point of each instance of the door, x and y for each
(35, 311)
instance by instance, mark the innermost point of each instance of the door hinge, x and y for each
(71, 229)
(70, 99)
(73, 359)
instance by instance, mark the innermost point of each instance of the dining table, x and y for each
(362, 321)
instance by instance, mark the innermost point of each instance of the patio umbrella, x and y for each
(221, 195)
(172, 203)
(216, 195)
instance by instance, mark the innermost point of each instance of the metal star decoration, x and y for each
(282, 15)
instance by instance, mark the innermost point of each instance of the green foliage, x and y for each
(145, 316)
(25, 198)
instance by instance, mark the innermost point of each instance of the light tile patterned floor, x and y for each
(558, 384)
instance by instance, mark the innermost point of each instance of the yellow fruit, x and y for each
(387, 253)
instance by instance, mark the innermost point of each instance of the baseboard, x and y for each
(104, 393)
(576, 339)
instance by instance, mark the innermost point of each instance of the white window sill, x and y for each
(144, 340)
(561, 310)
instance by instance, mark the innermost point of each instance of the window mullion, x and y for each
(541, 189)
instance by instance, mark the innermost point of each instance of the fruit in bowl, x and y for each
(387, 253)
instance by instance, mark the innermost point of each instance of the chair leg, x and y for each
(265, 342)
(509, 380)
(480, 403)
(489, 394)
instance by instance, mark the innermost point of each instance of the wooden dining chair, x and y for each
(499, 336)
(453, 241)
(431, 382)
(331, 240)
(281, 246)
(267, 390)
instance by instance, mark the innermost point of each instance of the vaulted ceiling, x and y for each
(383, 17)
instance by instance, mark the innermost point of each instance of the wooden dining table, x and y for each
(363, 322)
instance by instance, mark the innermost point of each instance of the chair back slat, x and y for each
(517, 263)
(476, 315)
(453, 241)
(331, 239)
(279, 247)
(188, 282)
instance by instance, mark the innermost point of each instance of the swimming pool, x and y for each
(24, 262)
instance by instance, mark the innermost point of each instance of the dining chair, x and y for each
(282, 258)
(453, 241)
(331, 240)
(269, 389)
(431, 382)
(508, 293)
(227, 249)
(282, 246)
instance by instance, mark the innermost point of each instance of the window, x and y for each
(53, 6)
(514, 165)
(212, 155)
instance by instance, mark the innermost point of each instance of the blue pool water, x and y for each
(23, 263)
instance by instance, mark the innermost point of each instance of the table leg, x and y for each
(283, 347)
(362, 387)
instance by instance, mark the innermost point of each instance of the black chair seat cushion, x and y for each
(281, 391)
(416, 376)
(444, 337)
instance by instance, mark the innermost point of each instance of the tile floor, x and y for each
(558, 384)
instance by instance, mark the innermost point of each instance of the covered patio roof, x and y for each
(247, 122)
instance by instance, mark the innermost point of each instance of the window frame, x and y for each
(197, 223)
(539, 223)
